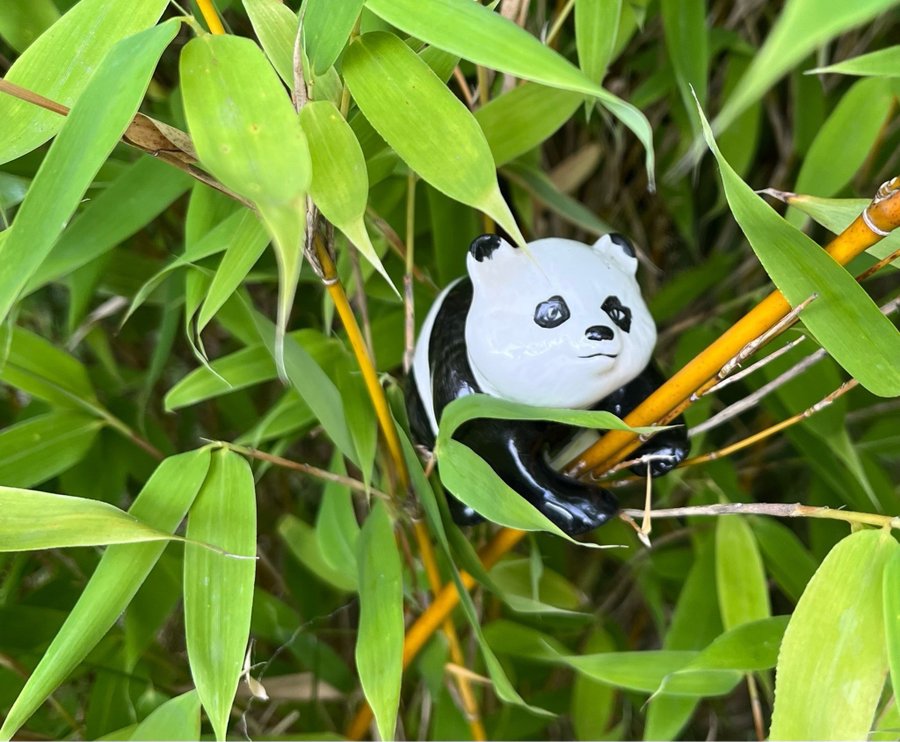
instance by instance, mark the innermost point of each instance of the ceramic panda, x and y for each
(557, 324)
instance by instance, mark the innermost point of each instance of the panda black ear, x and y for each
(484, 246)
(623, 242)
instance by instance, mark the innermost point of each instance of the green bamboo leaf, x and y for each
(22, 21)
(521, 119)
(176, 719)
(60, 64)
(833, 659)
(740, 578)
(891, 587)
(89, 133)
(881, 63)
(802, 26)
(684, 23)
(162, 503)
(276, 26)
(379, 642)
(844, 319)
(340, 184)
(326, 27)
(596, 27)
(218, 589)
(41, 447)
(239, 258)
(42, 520)
(639, 671)
(36, 366)
(477, 33)
(787, 559)
(398, 93)
(142, 192)
(303, 542)
(337, 531)
(248, 135)
(845, 139)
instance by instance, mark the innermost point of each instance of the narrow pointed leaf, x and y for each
(891, 586)
(60, 64)
(833, 659)
(483, 36)
(398, 93)
(881, 63)
(844, 319)
(740, 578)
(326, 27)
(379, 643)
(218, 589)
(89, 133)
(162, 503)
(340, 183)
(596, 26)
(276, 27)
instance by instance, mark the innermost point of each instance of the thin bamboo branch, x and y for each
(876, 221)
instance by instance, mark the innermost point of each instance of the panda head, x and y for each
(558, 323)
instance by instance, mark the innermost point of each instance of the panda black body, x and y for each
(452, 341)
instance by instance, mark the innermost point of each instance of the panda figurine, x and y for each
(554, 324)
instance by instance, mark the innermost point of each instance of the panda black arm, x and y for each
(514, 449)
(672, 443)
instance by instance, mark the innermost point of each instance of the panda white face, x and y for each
(557, 324)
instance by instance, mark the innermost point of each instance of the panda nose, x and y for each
(599, 332)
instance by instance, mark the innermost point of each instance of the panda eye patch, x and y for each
(551, 313)
(618, 313)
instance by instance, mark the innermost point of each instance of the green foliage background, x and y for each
(145, 315)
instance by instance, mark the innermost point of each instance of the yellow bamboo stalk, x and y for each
(676, 393)
(210, 16)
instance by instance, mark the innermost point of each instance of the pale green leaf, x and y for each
(336, 528)
(484, 37)
(91, 130)
(218, 588)
(399, 94)
(891, 586)
(303, 542)
(340, 183)
(22, 21)
(60, 64)
(740, 578)
(162, 503)
(684, 23)
(379, 641)
(843, 318)
(881, 63)
(833, 659)
(276, 27)
(41, 447)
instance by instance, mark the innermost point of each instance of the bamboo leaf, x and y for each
(340, 184)
(303, 542)
(891, 587)
(326, 27)
(740, 578)
(398, 93)
(248, 135)
(218, 589)
(337, 531)
(60, 64)
(91, 130)
(484, 37)
(42, 520)
(41, 447)
(833, 658)
(176, 719)
(276, 27)
(162, 504)
(803, 25)
(684, 22)
(521, 119)
(845, 139)
(379, 643)
(22, 21)
(596, 27)
(844, 319)
(881, 63)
